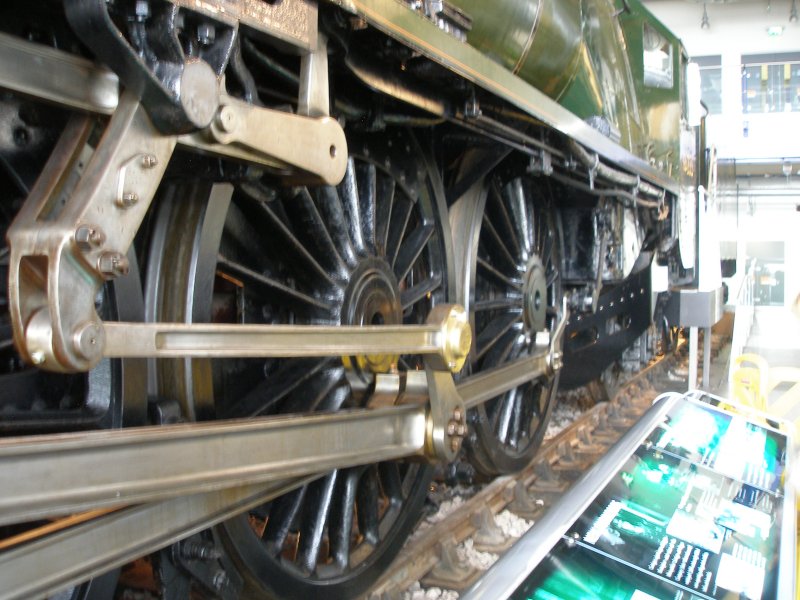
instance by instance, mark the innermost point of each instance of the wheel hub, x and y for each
(372, 297)
(535, 296)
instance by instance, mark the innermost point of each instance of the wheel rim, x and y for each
(516, 286)
(370, 251)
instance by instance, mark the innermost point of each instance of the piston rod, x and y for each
(146, 464)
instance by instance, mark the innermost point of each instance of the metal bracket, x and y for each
(73, 233)
(555, 357)
(316, 145)
(180, 93)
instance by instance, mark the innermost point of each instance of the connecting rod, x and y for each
(446, 335)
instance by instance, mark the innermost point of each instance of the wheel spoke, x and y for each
(498, 278)
(503, 350)
(331, 210)
(417, 292)
(383, 216)
(282, 514)
(514, 195)
(269, 286)
(504, 413)
(552, 277)
(391, 482)
(308, 219)
(336, 399)
(340, 528)
(503, 219)
(295, 252)
(545, 249)
(500, 303)
(314, 392)
(495, 247)
(315, 516)
(494, 331)
(368, 496)
(367, 188)
(411, 249)
(240, 226)
(515, 430)
(401, 213)
(348, 190)
(271, 391)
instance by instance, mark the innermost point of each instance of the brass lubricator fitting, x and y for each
(447, 423)
(455, 336)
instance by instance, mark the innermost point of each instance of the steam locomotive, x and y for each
(220, 210)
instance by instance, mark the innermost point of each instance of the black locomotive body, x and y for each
(325, 167)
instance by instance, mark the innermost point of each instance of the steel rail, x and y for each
(55, 562)
(66, 473)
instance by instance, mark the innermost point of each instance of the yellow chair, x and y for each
(751, 381)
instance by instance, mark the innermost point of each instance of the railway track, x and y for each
(435, 556)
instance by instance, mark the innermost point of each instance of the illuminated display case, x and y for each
(697, 508)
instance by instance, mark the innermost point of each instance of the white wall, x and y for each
(739, 28)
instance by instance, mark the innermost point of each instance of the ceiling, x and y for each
(734, 25)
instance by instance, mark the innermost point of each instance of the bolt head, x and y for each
(88, 237)
(227, 119)
(112, 264)
(127, 200)
(149, 161)
(220, 580)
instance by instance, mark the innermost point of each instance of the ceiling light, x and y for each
(775, 31)
(704, 24)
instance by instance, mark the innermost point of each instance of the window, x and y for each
(657, 59)
(710, 82)
(771, 83)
